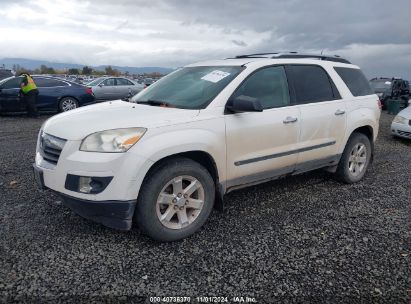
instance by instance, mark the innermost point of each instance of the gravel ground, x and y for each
(300, 239)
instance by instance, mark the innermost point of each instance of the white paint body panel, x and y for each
(227, 138)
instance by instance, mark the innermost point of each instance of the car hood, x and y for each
(77, 124)
(406, 113)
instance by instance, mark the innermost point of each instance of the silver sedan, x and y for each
(401, 125)
(111, 88)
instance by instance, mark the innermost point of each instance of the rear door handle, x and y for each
(290, 119)
(339, 112)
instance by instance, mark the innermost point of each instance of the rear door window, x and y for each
(355, 81)
(109, 82)
(123, 82)
(312, 84)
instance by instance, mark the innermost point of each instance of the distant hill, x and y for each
(33, 64)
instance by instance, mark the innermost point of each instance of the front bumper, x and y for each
(401, 130)
(127, 169)
(113, 214)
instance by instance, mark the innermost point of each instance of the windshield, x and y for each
(189, 88)
(94, 82)
(381, 84)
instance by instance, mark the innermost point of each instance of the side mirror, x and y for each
(244, 103)
(100, 85)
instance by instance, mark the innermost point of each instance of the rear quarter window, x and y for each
(355, 81)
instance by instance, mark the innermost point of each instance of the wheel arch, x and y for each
(368, 131)
(204, 159)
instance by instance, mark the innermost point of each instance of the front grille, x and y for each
(403, 133)
(51, 147)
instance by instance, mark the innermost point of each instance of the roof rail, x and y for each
(279, 55)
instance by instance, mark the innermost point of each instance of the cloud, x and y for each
(239, 42)
(372, 33)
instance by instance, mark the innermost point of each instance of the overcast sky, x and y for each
(371, 33)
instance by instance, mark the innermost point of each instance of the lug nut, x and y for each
(181, 208)
(185, 195)
(176, 207)
(174, 201)
(179, 195)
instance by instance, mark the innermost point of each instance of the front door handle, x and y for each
(339, 112)
(290, 119)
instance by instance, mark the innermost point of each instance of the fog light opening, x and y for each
(85, 184)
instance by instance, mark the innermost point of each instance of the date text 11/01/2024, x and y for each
(203, 299)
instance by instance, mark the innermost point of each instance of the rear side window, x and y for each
(48, 82)
(355, 81)
(269, 86)
(312, 84)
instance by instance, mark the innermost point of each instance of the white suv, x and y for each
(165, 158)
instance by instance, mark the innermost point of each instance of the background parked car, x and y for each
(111, 88)
(387, 88)
(54, 95)
(5, 73)
(401, 125)
(148, 81)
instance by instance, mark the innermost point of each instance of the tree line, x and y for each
(86, 70)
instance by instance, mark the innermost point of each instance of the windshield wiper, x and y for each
(156, 103)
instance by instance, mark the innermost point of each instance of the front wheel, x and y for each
(175, 200)
(67, 104)
(355, 159)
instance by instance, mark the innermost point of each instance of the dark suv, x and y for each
(387, 88)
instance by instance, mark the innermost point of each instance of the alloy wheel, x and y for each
(180, 202)
(357, 159)
(68, 104)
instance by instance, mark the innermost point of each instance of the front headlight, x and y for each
(400, 120)
(114, 141)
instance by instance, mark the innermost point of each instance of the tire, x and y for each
(67, 104)
(355, 159)
(161, 205)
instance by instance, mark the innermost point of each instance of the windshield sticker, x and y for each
(215, 76)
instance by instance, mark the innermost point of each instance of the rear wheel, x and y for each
(67, 104)
(175, 200)
(355, 159)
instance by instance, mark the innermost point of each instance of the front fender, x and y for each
(160, 144)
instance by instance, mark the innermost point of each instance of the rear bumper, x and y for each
(86, 99)
(113, 214)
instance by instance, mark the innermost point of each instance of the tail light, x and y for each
(145, 86)
(379, 104)
(89, 91)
